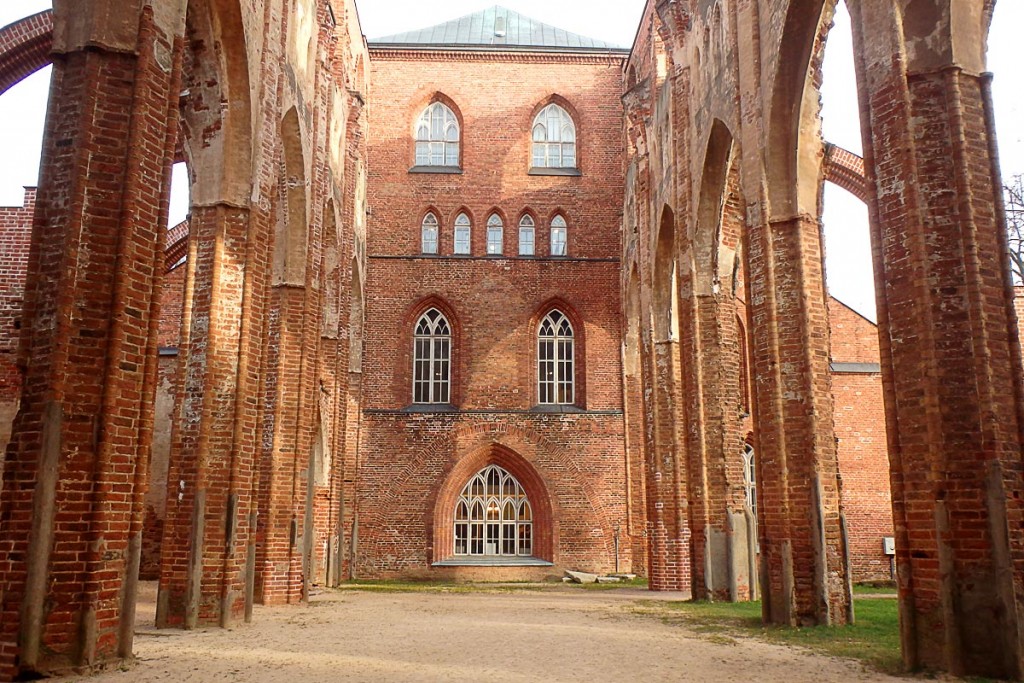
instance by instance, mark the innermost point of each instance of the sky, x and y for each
(848, 257)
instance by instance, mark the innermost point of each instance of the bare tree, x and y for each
(1014, 190)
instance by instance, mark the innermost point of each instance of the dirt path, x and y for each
(557, 635)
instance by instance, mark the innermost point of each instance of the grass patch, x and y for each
(874, 639)
(875, 588)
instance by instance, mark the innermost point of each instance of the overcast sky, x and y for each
(849, 262)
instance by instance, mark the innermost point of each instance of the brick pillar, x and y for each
(804, 565)
(282, 492)
(717, 445)
(948, 336)
(667, 513)
(209, 501)
(76, 468)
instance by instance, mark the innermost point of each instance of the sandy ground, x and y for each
(561, 634)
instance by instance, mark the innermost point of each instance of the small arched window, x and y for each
(432, 352)
(493, 516)
(555, 360)
(462, 234)
(527, 236)
(559, 236)
(554, 139)
(428, 234)
(495, 234)
(437, 137)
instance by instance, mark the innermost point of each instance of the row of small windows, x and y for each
(438, 137)
(432, 359)
(430, 231)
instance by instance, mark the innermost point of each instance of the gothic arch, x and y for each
(663, 287)
(544, 521)
(290, 242)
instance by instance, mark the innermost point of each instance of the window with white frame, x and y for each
(493, 516)
(555, 360)
(526, 236)
(559, 236)
(750, 478)
(462, 234)
(428, 234)
(554, 139)
(432, 352)
(437, 137)
(495, 234)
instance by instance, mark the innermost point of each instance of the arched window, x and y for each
(559, 236)
(432, 352)
(555, 360)
(462, 234)
(750, 478)
(495, 234)
(526, 236)
(493, 516)
(554, 139)
(428, 234)
(437, 137)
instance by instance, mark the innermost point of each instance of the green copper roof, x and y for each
(494, 28)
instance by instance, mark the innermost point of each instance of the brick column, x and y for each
(717, 445)
(76, 467)
(210, 476)
(948, 336)
(667, 513)
(803, 562)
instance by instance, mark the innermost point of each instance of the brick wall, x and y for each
(862, 448)
(15, 235)
(408, 459)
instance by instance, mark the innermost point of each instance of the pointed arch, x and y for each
(546, 366)
(544, 524)
(290, 242)
(406, 359)
(712, 196)
(437, 133)
(664, 287)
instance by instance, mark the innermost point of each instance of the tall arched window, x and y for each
(526, 236)
(750, 478)
(554, 139)
(555, 360)
(462, 234)
(437, 137)
(493, 516)
(428, 234)
(559, 236)
(495, 234)
(432, 351)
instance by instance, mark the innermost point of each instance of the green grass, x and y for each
(875, 588)
(874, 639)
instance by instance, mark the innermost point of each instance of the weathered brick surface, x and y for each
(75, 470)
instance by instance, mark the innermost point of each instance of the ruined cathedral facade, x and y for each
(491, 300)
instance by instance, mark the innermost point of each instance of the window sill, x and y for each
(539, 170)
(431, 408)
(444, 170)
(556, 408)
(491, 561)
